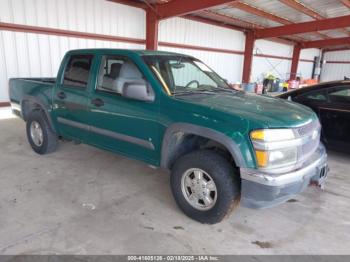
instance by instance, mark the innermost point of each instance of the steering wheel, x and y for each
(191, 82)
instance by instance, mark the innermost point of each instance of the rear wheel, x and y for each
(205, 186)
(39, 133)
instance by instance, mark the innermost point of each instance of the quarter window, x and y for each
(77, 71)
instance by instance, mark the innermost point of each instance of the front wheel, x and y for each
(205, 186)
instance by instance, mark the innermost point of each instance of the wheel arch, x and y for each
(173, 145)
(30, 103)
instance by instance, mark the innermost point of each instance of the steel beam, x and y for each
(302, 8)
(259, 12)
(308, 11)
(268, 15)
(346, 3)
(326, 42)
(183, 7)
(152, 23)
(305, 27)
(295, 62)
(248, 57)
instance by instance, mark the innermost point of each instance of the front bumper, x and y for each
(260, 190)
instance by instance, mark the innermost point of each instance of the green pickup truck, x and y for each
(172, 111)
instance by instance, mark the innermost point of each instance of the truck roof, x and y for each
(140, 52)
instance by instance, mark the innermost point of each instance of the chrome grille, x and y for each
(311, 141)
(308, 128)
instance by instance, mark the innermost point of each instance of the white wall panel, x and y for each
(309, 53)
(35, 55)
(305, 69)
(272, 48)
(280, 67)
(262, 66)
(185, 31)
(228, 66)
(336, 71)
(189, 32)
(93, 16)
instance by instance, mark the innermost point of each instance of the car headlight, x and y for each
(275, 147)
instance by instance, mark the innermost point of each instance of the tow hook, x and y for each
(320, 179)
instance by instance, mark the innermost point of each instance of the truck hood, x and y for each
(265, 111)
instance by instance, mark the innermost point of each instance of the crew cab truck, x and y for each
(172, 111)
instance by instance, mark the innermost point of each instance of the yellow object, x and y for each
(261, 158)
(165, 86)
(257, 135)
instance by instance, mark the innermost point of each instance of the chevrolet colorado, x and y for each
(172, 111)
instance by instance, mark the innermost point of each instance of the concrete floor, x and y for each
(82, 200)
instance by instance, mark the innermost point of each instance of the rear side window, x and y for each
(317, 95)
(339, 94)
(77, 71)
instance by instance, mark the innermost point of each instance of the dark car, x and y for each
(331, 102)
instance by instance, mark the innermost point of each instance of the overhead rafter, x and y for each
(183, 7)
(214, 22)
(326, 42)
(245, 24)
(308, 11)
(331, 49)
(210, 17)
(305, 27)
(346, 3)
(230, 19)
(259, 12)
(268, 15)
(303, 8)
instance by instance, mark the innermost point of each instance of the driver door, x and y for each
(121, 124)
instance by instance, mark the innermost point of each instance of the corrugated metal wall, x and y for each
(184, 31)
(263, 65)
(333, 70)
(230, 66)
(34, 55)
(280, 67)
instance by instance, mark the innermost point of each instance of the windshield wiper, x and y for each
(195, 91)
(219, 88)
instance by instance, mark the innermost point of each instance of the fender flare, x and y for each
(212, 134)
(35, 100)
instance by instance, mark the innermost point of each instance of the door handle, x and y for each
(97, 102)
(61, 95)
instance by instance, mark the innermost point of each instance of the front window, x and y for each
(182, 74)
(116, 72)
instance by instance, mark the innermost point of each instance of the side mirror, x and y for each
(138, 91)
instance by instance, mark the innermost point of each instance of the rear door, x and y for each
(121, 124)
(70, 98)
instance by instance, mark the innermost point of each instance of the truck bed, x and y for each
(22, 88)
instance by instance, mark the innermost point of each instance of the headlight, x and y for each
(275, 147)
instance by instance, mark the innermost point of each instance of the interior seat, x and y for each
(128, 73)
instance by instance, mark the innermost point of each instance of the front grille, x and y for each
(308, 128)
(311, 140)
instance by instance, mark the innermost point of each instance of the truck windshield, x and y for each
(184, 75)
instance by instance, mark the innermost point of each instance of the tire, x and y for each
(49, 139)
(227, 186)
